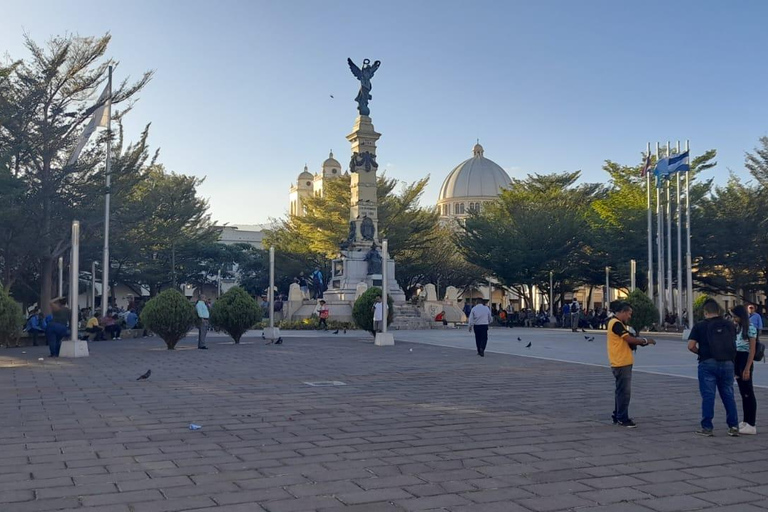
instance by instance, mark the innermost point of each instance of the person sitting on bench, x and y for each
(94, 330)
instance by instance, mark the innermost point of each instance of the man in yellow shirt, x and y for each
(93, 328)
(621, 343)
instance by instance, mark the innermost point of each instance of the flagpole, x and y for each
(679, 251)
(105, 264)
(650, 226)
(670, 294)
(689, 277)
(659, 248)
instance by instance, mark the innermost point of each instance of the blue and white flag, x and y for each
(99, 119)
(679, 163)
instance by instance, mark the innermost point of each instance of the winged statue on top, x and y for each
(364, 74)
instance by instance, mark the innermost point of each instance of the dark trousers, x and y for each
(113, 330)
(55, 333)
(34, 333)
(623, 376)
(748, 400)
(323, 324)
(481, 337)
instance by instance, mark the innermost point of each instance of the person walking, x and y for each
(621, 344)
(203, 314)
(323, 312)
(479, 319)
(746, 345)
(713, 340)
(58, 326)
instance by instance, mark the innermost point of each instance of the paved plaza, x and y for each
(417, 426)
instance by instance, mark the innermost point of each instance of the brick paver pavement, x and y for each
(416, 427)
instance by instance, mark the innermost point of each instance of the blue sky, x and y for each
(242, 88)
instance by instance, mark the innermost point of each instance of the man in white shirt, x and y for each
(203, 314)
(378, 315)
(479, 319)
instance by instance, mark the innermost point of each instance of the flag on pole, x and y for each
(646, 166)
(679, 163)
(99, 119)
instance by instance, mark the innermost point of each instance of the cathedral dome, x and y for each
(305, 175)
(477, 177)
(332, 163)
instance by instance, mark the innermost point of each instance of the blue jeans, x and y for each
(54, 333)
(717, 375)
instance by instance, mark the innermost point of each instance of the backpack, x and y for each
(759, 352)
(721, 336)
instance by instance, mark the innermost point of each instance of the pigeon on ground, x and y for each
(583, 330)
(279, 341)
(529, 344)
(586, 337)
(519, 338)
(145, 376)
(263, 336)
(336, 331)
(591, 339)
(345, 331)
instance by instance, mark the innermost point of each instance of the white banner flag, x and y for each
(100, 119)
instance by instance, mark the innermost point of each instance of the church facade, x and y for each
(308, 184)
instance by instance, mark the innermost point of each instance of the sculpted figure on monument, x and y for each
(374, 261)
(366, 160)
(367, 229)
(364, 75)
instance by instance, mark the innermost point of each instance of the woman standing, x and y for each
(746, 342)
(57, 328)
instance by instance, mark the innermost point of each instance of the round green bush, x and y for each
(170, 315)
(362, 311)
(11, 319)
(644, 312)
(235, 312)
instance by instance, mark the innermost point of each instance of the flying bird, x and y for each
(529, 344)
(145, 376)
(331, 95)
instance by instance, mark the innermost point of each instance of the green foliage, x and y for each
(11, 319)
(362, 311)
(311, 324)
(698, 308)
(235, 312)
(170, 315)
(644, 312)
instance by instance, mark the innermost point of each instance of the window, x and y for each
(461, 208)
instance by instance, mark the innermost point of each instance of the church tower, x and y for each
(301, 191)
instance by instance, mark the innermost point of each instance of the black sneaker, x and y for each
(202, 348)
(627, 424)
(706, 432)
(733, 431)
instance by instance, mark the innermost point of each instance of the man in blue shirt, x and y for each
(131, 319)
(755, 319)
(35, 325)
(203, 314)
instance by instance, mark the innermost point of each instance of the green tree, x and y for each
(170, 315)
(362, 310)
(536, 226)
(46, 100)
(11, 319)
(644, 312)
(235, 312)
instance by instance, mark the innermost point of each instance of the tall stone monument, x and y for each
(361, 258)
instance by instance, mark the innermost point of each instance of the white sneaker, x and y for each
(747, 430)
(742, 425)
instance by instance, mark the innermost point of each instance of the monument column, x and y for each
(363, 212)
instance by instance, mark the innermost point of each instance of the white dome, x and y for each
(331, 162)
(476, 177)
(306, 175)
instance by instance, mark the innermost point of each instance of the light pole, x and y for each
(384, 338)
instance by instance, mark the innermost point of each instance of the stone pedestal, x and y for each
(352, 270)
(384, 339)
(271, 333)
(74, 348)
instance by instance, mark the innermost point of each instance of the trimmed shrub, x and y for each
(644, 312)
(11, 319)
(235, 312)
(698, 308)
(170, 315)
(362, 312)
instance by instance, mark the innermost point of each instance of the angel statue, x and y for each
(364, 75)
